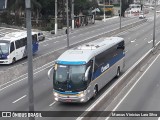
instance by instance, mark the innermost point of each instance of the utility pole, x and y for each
(72, 14)
(56, 26)
(120, 12)
(104, 10)
(67, 25)
(154, 25)
(30, 58)
(5, 4)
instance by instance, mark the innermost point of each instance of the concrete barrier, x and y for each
(19, 70)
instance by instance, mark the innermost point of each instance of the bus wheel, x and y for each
(118, 72)
(13, 60)
(95, 91)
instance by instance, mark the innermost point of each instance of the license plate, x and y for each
(68, 100)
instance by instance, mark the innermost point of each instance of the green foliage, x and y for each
(6, 18)
(44, 11)
(81, 6)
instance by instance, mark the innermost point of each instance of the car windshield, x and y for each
(4, 47)
(69, 77)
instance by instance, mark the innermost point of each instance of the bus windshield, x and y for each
(4, 47)
(69, 78)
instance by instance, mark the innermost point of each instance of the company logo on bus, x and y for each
(104, 68)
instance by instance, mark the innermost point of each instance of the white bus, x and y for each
(79, 73)
(13, 46)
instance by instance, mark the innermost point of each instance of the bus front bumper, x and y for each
(5, 61)
(78, 98)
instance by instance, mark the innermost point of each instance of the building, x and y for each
(3, 4)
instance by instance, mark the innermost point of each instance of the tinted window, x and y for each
(12, 47)
(121, 45)
(105, 57)
(18, 44)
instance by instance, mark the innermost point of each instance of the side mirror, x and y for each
(49, 73)
(87, 73)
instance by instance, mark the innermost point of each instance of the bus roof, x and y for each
(83, 53)
(15, 36)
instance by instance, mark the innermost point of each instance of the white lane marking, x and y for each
(41, 69)
(134, 85)
(71, 44)
(56, 41)
(111, 88)
(45, 45)
(52, 103)
(145, 39)
(136, 44)
(132, 41)
(19, 99)
(87, 32)
(45, 64)
(159, 118)
(150, 41)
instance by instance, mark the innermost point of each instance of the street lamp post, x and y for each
(56, 17)
(30, 57)
(67, 25)
(104, 11)
(120, 12)
(154, 25)
(72, 14)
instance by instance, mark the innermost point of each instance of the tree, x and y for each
(81, 6)
(18, 7)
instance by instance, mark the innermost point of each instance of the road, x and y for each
(143, 95)
(53, 43)
(15, 97)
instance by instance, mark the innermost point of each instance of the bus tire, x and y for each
(13, 60)
(118, 72)
(95, 91)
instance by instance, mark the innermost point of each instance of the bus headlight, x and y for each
(56, 99)
(81, 95)
(55, 94)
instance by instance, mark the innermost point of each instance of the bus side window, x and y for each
(12, 48)
(18, 44)
(90, 63)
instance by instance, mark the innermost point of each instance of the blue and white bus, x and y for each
(13, 46)
(79, 73)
